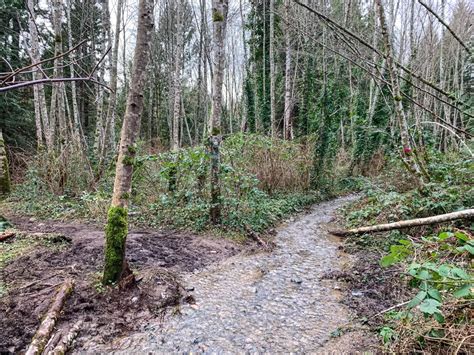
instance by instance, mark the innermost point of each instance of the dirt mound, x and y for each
(76, 250)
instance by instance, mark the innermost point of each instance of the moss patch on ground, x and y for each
(15, 248)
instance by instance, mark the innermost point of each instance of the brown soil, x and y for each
(76, 251)
(371, 289)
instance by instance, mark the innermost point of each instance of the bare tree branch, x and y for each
(445, 25)
(368, 45)
(49, 81)
(16, 72)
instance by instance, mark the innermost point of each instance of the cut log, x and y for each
(46, 327)
(67, 340)
(407, 224)
(5, 236)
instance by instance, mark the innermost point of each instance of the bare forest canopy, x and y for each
(291, 69)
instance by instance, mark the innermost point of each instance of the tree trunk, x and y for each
(57, 109)
(288, 101)
(408, 152)
(5, 184)
(219, 20)
(41, 111)
(274, 128)
(178, 60)
(78, 133)
(117, 222)
(109, 131)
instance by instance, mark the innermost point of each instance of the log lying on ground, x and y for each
(67, 339)
(406, 224)
(43, 333)
(5, 236)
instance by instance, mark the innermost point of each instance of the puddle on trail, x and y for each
(269, 302)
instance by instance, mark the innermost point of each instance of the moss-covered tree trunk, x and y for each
(117, 223)
(5, 186)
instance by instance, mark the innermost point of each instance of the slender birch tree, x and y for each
(178, 67)
(116, 231)
(219, 21)
(287, 126)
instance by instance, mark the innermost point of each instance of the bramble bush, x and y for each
(439, 268)
(434, 265)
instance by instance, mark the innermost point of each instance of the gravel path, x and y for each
(269, 302)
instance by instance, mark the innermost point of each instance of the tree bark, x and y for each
(178, 60)
(109, 130)
(57, 108)
(5, 183)
(408, 153)
(41, 111)
(78, 133)
(219, 20)
(465, 214)
(117, 222)
(287, 129)
(67, 339)
(274, 129)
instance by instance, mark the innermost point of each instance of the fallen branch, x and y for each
(254, 236)
(390, 308)
(38, 281)
(5, 236)
(67, 339)
(408, 223)
(42, 335)
(49, 81)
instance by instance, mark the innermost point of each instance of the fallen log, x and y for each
(5, 236)
(407, 223)
(42, 335)
(67, 340)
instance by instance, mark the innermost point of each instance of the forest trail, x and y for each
(268, 302)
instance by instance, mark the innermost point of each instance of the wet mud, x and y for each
(76, 251)
(273, 302)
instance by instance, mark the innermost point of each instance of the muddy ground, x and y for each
(276, 302)
(370, 289)
(69, 250)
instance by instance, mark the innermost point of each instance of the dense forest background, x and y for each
(290, 73)
(224, 117)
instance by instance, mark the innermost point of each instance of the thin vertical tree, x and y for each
(41, 110)
(287, 127)
(109, 130)
(219, 21)
(178, 67)
(116, 229)
(272, 70)
(408, 154)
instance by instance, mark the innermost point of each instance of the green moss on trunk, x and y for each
(217, 16)
(115, 236)
(5, 185)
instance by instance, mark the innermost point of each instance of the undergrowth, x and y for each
(428, 270)
(262, 181)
